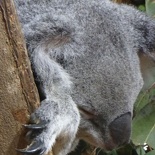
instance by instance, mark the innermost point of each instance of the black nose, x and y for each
(120, 129)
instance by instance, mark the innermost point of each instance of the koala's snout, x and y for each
(120, 129)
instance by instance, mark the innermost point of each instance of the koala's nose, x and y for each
(120, 129)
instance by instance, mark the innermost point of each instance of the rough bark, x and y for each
(18, 94)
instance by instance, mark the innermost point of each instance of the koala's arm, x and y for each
(57, 119)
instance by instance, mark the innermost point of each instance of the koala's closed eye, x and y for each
(87, 114)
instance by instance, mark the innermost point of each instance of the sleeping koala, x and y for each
(84, 56)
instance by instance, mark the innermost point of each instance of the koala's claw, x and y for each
(42, 152)
(34, 147)
(41, 125)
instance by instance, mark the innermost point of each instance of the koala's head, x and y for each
(105, 96)
(107, 80)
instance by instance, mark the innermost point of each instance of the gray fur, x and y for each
(84, 53)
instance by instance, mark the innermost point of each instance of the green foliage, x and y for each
(151, 153)
(140, 150)
(143, 126)
(112, 153)
(142, 8)
(150, 7)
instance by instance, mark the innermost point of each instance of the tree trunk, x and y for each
(18, 93)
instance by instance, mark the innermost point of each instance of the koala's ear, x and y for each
(147, 65)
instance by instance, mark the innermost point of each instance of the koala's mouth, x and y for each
(97, 142)
(117, 134)
(89, 138)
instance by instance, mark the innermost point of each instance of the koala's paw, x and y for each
(51, 126)
(37, 146)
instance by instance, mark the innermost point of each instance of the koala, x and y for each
(84, 56)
